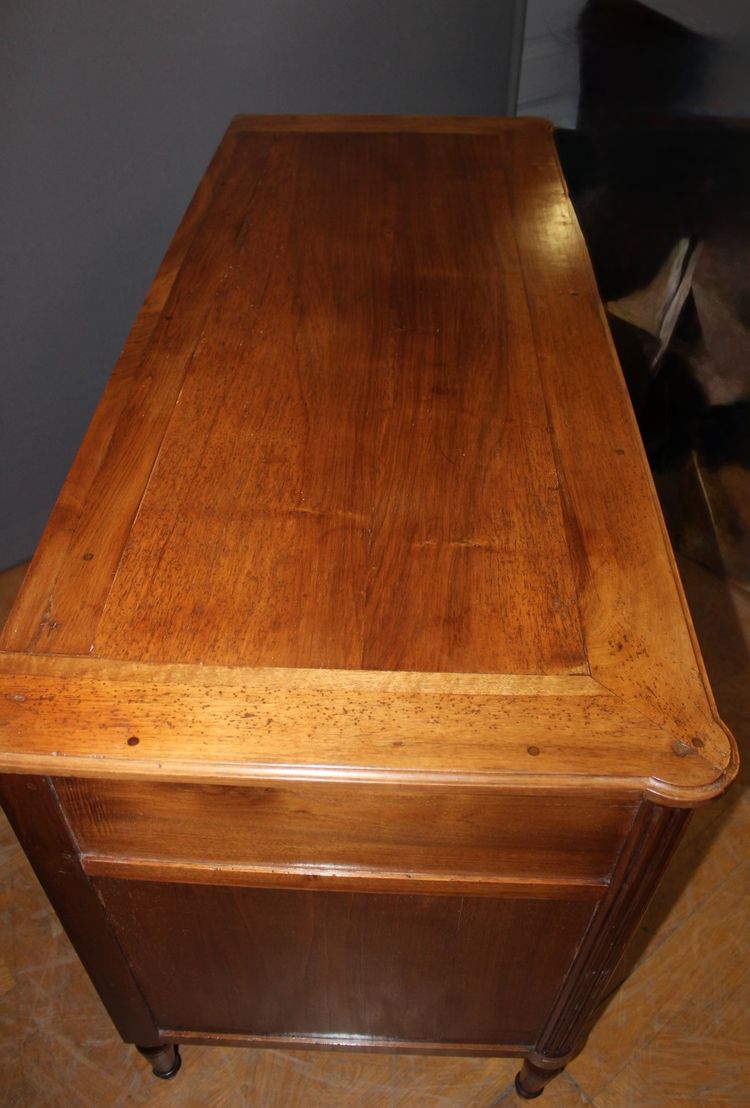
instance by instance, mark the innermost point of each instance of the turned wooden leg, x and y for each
(531, 1081)
(165, 1060)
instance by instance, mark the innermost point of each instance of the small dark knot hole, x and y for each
(133, 740)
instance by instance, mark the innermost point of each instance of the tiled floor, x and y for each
(676, 1033)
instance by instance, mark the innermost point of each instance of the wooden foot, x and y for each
(531, 1081)
(165, 1060)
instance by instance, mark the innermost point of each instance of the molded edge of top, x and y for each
(76, 716)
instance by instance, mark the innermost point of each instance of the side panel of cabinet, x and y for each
(269, 962)
(32, 808)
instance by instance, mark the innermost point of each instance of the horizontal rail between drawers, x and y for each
(341, 879)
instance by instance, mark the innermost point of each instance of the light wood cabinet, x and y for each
(352, 698)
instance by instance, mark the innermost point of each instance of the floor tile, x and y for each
(562, 1092)
(669, 999)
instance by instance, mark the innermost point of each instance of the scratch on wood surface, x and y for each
(44, 623)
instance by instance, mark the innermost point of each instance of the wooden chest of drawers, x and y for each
(352, 698)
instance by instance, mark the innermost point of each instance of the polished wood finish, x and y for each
(641, 864)
(275, 962)
(532, 1080)
(221, 724)
(354, 653)
(165, 1060)
(33, 811)
(689, 1032)
(320, 829)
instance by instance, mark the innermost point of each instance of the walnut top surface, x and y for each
(369, 422)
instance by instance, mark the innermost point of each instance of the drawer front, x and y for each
(334, 828)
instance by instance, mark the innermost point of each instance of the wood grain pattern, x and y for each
(389, 124)
(422, 438)
(639, 635)
(33, 618)
(339, 879)
(687, 1032)
(269, 961)
(356, 625)
(223, 724)
(371, 361)
(654, 837)
(32, 809)
(327, 829)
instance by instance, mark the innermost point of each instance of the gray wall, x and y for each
(549, 84)
(110, 111)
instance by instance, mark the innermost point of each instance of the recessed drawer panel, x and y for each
(328, 827)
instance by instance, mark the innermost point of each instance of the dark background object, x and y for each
(634, 61)
(663, 198)
(110, 113)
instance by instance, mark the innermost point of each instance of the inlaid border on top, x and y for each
(647, 710)
(97, 717)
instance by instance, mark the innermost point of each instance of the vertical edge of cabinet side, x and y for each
(654, 837)
(33, 811)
